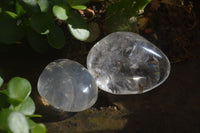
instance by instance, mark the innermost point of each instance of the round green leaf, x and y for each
(19, 89)
(61, 12)
(31, 123)
(77, 2)
(12, 14)
(30, 5)
(78, 27)
(27, 107)
(34, 115)
(79, 7)
(30, 2)
(4, 101)
(39, 128)
(37, 41)
(36, 128)
(3, 131)
(56, 37)
(10, 32)
(4, 119)
(17, 123)
(44, 5)
(19, 9)
(127, 11)
(13, 121)
(1, 73)
(41, 23)
(1, 81)
(15, 101)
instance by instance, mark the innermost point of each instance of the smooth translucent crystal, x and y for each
(67, 85)
(127, 63)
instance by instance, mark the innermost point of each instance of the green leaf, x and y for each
(1, 73)
(37, 41)
(17, 123)
(15, 101)
(127, 11)
(4, 119)
(140, 5)
(56, 37)
(31, 123)
(78, 27)
(27, 107)
(5, 92)
(10, 32)
(41, 23)
(61, 11)
(3, 131)
(1, 81)
(19, 9)
(30, 2)
(19, 89)
(36, 128)
(79, 7)
(44, 5)
(3, 101)
(12, 14)
(34, 115)
(13, 121)
(30, 6)
(59, 2)
(39, 128)
(77, 2)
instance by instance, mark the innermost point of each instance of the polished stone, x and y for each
(127, 63)
(67, 85)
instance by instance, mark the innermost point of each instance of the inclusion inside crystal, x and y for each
(126, 63)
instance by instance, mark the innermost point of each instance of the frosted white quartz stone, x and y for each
(127, 63)
(67, 85)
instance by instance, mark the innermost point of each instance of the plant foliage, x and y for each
(16, 108)
(121, 15)
(19, 17)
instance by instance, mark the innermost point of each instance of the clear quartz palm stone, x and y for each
(127, 63)
(67, 85)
